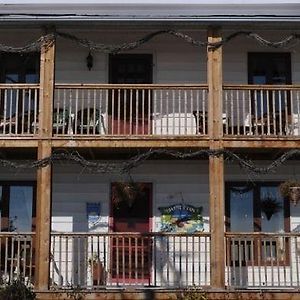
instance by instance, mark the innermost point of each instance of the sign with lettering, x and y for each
(93, 214)
(181, 218)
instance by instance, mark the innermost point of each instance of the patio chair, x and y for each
(20, 123)
(89, 121)
(62, 121)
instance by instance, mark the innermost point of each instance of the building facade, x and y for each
(144, 147)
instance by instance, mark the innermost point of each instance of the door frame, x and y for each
(110, 229)
(111, 218)
(127, 122)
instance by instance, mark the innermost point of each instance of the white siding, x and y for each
(73, 189)
(174, 60)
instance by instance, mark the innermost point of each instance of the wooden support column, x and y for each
(215, 86)
(44, 175)
(216, 163)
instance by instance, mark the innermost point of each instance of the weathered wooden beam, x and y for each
(216, 163)
(275, 143)
(43, 211)
(47, 65)
(19, 143)
(43, 219)
(215, 85)
(116, 142)
(216, 217)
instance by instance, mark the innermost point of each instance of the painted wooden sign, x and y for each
(181, 218)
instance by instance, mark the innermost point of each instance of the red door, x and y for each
(131, 216)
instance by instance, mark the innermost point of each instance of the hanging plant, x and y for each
(270, 206)
(290, 189)
(127, 192)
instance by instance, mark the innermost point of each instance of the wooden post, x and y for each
(216, 163)
(44, 176)
(215, 85)
(217, 210)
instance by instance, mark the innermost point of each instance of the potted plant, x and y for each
(290, 189)
(17, 290)
(270, 206)
(97, 269)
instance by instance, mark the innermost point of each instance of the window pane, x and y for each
(241, 209)
(20, 208)
(32, 78)
(276, 220)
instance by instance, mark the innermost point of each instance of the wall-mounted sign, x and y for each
(181, 218)
(93, 214)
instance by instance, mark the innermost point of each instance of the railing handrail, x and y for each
(262, 234)
(261, 87)
(19, 85)
(129, 86)
(10, 234)
(135, 234)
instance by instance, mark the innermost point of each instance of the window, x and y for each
(19, 68)
(248, 211)
(271, 69)
(18, 106)
(17, 206)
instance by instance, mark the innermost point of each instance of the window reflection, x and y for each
(241, 210)
(20, 208)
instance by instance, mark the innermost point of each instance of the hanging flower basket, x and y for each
(128, 192)
(270, 206)
(290, 190)
(294, 194)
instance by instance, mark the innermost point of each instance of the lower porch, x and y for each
(163, 241)
(97, 262)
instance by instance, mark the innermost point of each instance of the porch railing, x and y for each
(91, 260)
(255, 110)
(259, 260)
(19, 109)
(130, 110)
(17, 257)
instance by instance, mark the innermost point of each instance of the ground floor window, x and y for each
(17, 206)
(257, 208)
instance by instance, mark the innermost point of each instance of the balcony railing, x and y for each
(263, 260)
(151, 110)
(93, 260)
(130, 110)
(19, 109)
(261, 110)
(17, 257)
(154, 260)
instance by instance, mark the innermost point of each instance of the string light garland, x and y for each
(114, 49)
(45, 41)
(127, 165)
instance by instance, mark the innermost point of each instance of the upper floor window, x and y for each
(269, 68)
(19, 68)
(271, 108)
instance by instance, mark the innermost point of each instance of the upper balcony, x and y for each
(158, 91)
(104, 110)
